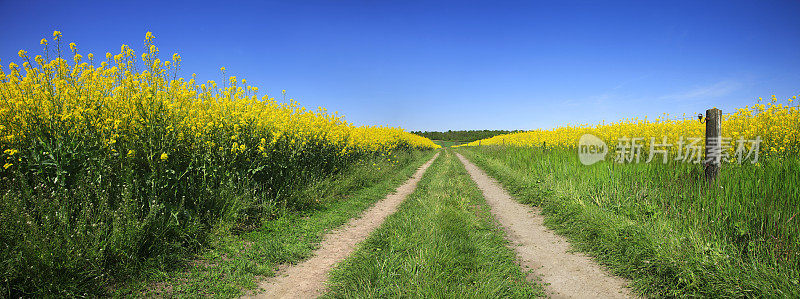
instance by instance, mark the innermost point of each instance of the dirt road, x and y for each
(306, 279)
(569, 275)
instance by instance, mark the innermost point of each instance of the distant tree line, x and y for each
(462, 136)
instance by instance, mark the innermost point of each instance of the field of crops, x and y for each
(775, 122)
(115, 162)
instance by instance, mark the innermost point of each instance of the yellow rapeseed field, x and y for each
(776, 124)
(117, 99)
(114, 163)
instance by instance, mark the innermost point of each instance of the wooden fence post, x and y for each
(713, 151)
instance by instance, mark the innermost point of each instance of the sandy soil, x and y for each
(306, 279)
(569, 274)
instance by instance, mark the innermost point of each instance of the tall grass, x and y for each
(233, 264)
(662, 224)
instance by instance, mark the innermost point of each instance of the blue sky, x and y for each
(429, 65)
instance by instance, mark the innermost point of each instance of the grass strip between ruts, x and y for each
(442, 242)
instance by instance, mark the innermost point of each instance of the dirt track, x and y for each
(570, 275)
(306, 279)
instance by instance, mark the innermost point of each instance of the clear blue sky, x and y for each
(426, 65)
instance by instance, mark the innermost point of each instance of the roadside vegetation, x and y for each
(442, 242)
(235, 262)
(662, 225)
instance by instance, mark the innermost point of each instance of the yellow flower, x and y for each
(56, 34)
(22, 53)
(196, 113)
(43, 42)
(7, 165)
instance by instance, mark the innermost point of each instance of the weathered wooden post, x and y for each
(479, 143)
(713, 151)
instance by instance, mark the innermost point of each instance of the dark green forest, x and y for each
(462, 136)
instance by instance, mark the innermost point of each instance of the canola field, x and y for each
(116, 162)
(775, 123)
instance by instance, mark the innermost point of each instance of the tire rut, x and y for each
(566, 274)
(307, 278)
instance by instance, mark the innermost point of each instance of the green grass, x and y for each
(661, 225)
(234, 262)
(442, 242)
